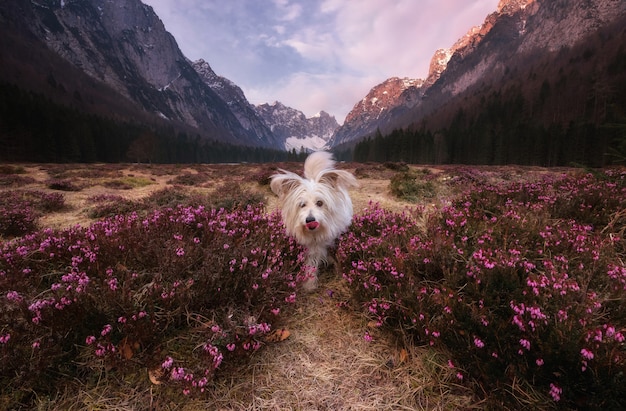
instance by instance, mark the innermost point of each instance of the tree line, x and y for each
(33, 128)
(513, 127)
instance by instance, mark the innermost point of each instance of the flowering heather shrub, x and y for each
(232, 195)
(62, 185)
(167, 197)
(108, 205)
(264, 175)
(17, 216)
(11, 169)
(19, 210)
(180, 291)
(517, 289)
(188, 179)
(12, 180)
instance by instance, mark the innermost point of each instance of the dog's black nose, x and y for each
(309, 219)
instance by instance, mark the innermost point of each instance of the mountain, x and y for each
(297, 131)
(523, 46)
(123, 46)
(373, 110)
(236, 101)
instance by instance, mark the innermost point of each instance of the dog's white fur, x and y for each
(320, 197)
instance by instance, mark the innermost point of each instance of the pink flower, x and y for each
(587, 354)
(167, 364)
(478, 342)
(106, 329)
(525, 343)
(555, 392)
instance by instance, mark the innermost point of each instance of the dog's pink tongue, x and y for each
(312, 225)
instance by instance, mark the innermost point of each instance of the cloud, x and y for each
(317, 55)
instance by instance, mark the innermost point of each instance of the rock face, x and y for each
(236, 101)
(297, 131)
(515, 33)
(375, 109)
(124, 44)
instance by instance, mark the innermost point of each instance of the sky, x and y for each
(316, 55)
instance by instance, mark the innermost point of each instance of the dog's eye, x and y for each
(302, 204)
(319, 203)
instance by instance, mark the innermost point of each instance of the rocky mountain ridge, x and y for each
(236, 101)
(481, 57)
(295, 129)
(124, 45)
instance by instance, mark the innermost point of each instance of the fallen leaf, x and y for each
(404, 356)
(372, 324)
(126, 349)
(280, 334)
(155, 375)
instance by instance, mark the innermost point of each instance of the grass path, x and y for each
(326, 364)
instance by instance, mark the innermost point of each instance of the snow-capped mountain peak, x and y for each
(295, 129)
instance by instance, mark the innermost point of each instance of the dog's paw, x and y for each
(310, 284)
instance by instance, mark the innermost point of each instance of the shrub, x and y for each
(188, 179)
(11, 169)
(179, 292)
(167, 197)
(107, 205)
(231, 196)
(264, 175)
(13, 180)
(19, 210)
(62, 185)
(517, 290)
(411, 186)
(17, 216)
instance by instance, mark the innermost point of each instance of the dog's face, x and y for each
(306, 207)
(316, 208)
(311, 203)
(313, 210)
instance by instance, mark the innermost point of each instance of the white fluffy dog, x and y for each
(316, 209)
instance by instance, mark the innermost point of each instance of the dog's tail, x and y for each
(320, 167)
(317, 163)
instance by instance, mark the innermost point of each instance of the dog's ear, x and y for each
(339, 179)
(283, 183)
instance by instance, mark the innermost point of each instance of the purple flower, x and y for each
(587, 354)
(478, 342)
(167, 364)
(555, 392)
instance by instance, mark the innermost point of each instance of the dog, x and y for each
(316, 208)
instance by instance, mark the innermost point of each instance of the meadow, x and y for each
(134, 286)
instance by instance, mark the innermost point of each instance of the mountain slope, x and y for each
(236, 101)
(517, 34)
(124, 45)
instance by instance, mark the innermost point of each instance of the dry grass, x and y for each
(325, 364)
